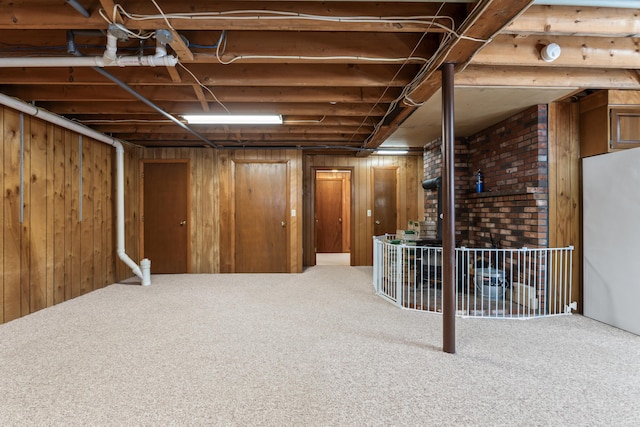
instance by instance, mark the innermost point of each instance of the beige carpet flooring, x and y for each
(311, 349)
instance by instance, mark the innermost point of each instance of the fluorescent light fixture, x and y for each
(391, 152)
(233, 119)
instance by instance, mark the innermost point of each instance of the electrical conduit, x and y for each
(143, 271)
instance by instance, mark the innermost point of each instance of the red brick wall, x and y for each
(512, 211)
(433, 169)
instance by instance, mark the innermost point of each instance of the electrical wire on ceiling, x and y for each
(222, 44)
(144, 35)
(199, 83)
(405, 91)
(428, 20)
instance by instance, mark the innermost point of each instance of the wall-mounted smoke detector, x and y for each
(550, 52)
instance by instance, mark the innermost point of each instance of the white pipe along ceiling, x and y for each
(143, 271)
(110, 58)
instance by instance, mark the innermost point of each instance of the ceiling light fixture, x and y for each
(233, 119)
(391, 152)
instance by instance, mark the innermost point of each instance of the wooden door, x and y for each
(260, 226)
(165, 216)
(385, 201)
(328, 206)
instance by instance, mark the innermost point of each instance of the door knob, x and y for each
(377, 222)
(283, 223)
(183, 223)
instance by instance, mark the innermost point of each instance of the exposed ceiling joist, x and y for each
(485, 20)
(338, 71)
(537, 77)
(576, 21)
(585, 52)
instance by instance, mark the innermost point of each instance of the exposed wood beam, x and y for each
(577, 21)
(117, 120)
(24, 15)
(485, 20)
(186, 108)
(109, 8)
(174, 74)
(589, 52)
(516, 76)
(334, 9)
(301, 130)
(309, 47)
(201, 97)
(316, 47)
(333, 75)
(243, 136)
(37, 92)
(337, 147)
(179, 46)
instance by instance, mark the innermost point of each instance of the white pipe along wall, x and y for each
(144, 270)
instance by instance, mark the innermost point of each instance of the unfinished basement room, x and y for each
(319, 213)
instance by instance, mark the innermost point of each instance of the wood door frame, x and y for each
(351, 171)
(341, 181)
(141, 202)
(232, 208)
(373, 193)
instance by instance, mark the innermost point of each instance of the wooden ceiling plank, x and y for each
(20, 15)
(484, 22)
(174, 74)
(312, 146)
(241, 135)
(589, 52)
(315, 47)
(147, 119)
(320, 9)
(179, 46)
(185, 93)
(109, 9)
(131, 108)
(516, 76)
(201, 97)
(576, 21)
(297, 75)
(29, 15)
(486, 19)
(128, 128)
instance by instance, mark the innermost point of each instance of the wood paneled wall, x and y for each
(65, 244)
(211, 187)
(410, 203)
(132, 155)
(565, 192)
